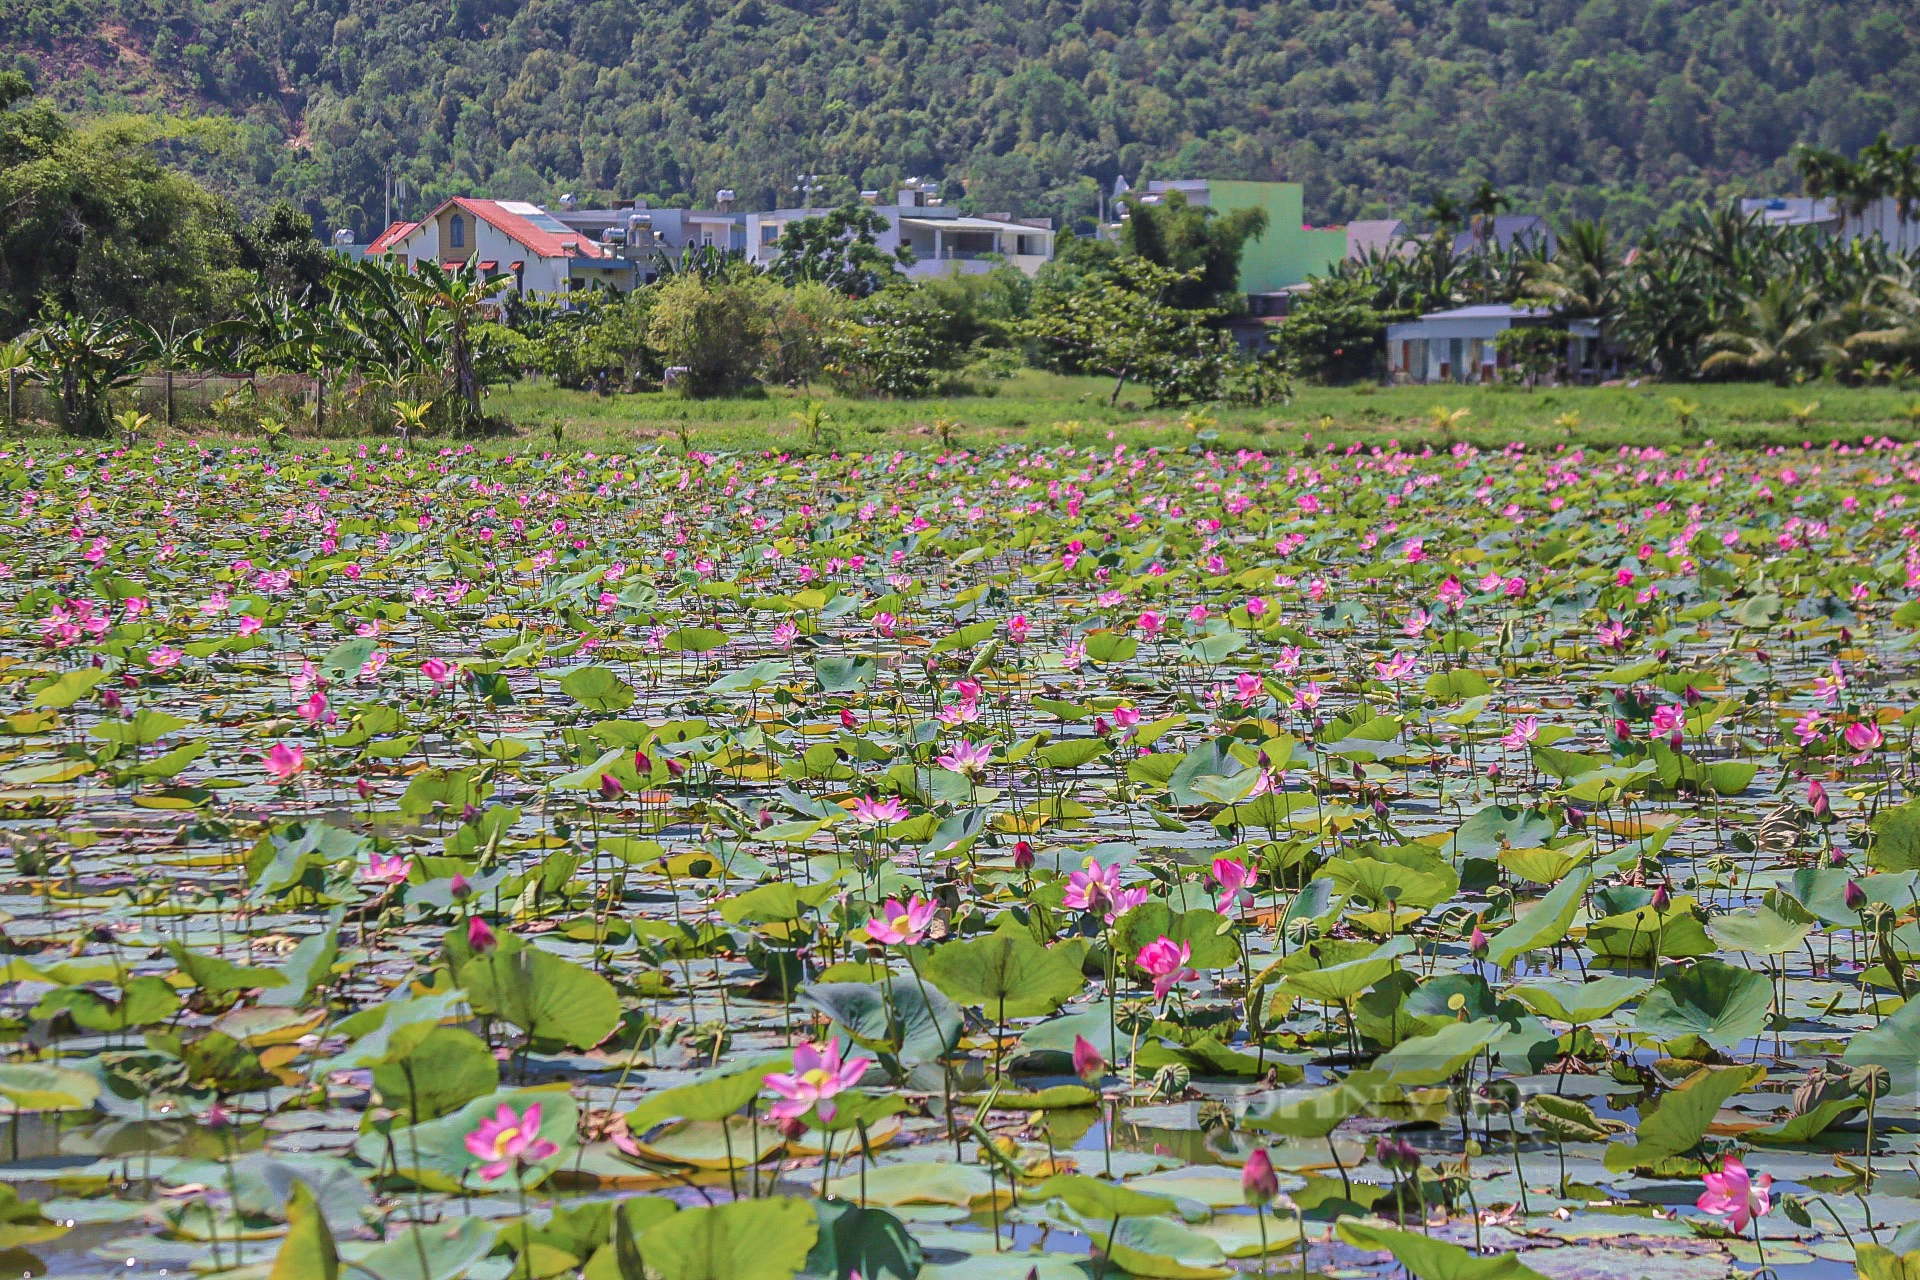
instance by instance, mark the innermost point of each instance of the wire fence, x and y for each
(239, 402)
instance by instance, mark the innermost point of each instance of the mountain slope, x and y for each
(1617, 106)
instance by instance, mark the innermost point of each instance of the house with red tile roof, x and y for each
(543, 254)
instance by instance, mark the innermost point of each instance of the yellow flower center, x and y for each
(502, 1138)
(815, 1078)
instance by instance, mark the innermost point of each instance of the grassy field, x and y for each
(1050, 408)
(1034, 405)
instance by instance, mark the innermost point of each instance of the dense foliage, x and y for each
(1720, 296)
(1601, 107)
(1035, 865)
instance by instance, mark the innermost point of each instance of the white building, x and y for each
(543, 254)
(1880, 220)
(1458, 345)
(942, 239)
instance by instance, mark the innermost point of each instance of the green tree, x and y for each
(1198, 243)
(840, 249)
(279, 247)
(1535, 351)
(1122, 323)
(715, 330)
(97, 224)
(1335, 333)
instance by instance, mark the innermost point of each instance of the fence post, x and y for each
(13, 398)
(168, 374)
(319, 404)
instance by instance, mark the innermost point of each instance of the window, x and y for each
(457, 232)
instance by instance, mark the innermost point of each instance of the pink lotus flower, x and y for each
(874, 812)
(1087, 1062)
(1092, 888)
(1247, 686)
(164, 658)
(902, 926)
(507, 1139)
(1166, 962)
(966, 757)
(1233, 877)
(385, 870)
(817, 1075)
(1258, 1182)
(1807, 728)
(784, 636)
(1864, 736)
(1018, 628)
(437, 671)
(284, 761)
(884, 623)
(1152, 623)
(1614, 635)
(1452, 594)
(1397, 667)
(1668, 721)
(314, 709)
(1734, 1195)
(1524, 731)
(1125, 900)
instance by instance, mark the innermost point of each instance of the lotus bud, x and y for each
(1023, 856)
(642, 763)
(364, 789)
(1258, 1182)
(675, 769)
(847, 720)
(1087, 1062)
(1100, 727)
(1817, 798)
(479, 936)
(459, 888)
(217, 1117)
(610, 787)
(1478, 942)
(1662, 900)
(1854, 896)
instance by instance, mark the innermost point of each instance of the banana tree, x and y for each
(81, 361)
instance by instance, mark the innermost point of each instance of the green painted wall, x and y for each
(1287, 253)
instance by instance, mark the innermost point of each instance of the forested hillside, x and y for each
(1621, 107)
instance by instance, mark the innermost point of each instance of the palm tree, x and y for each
(1826, 174)
(1777, 333)
(1443, 211)
(1582, 279)
(1486, 204)
(81, 361)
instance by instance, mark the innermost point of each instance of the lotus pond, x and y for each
(1042, 863)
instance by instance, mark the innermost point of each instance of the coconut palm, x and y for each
(1486, 204)
(1777, 333)
(1582, 280)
